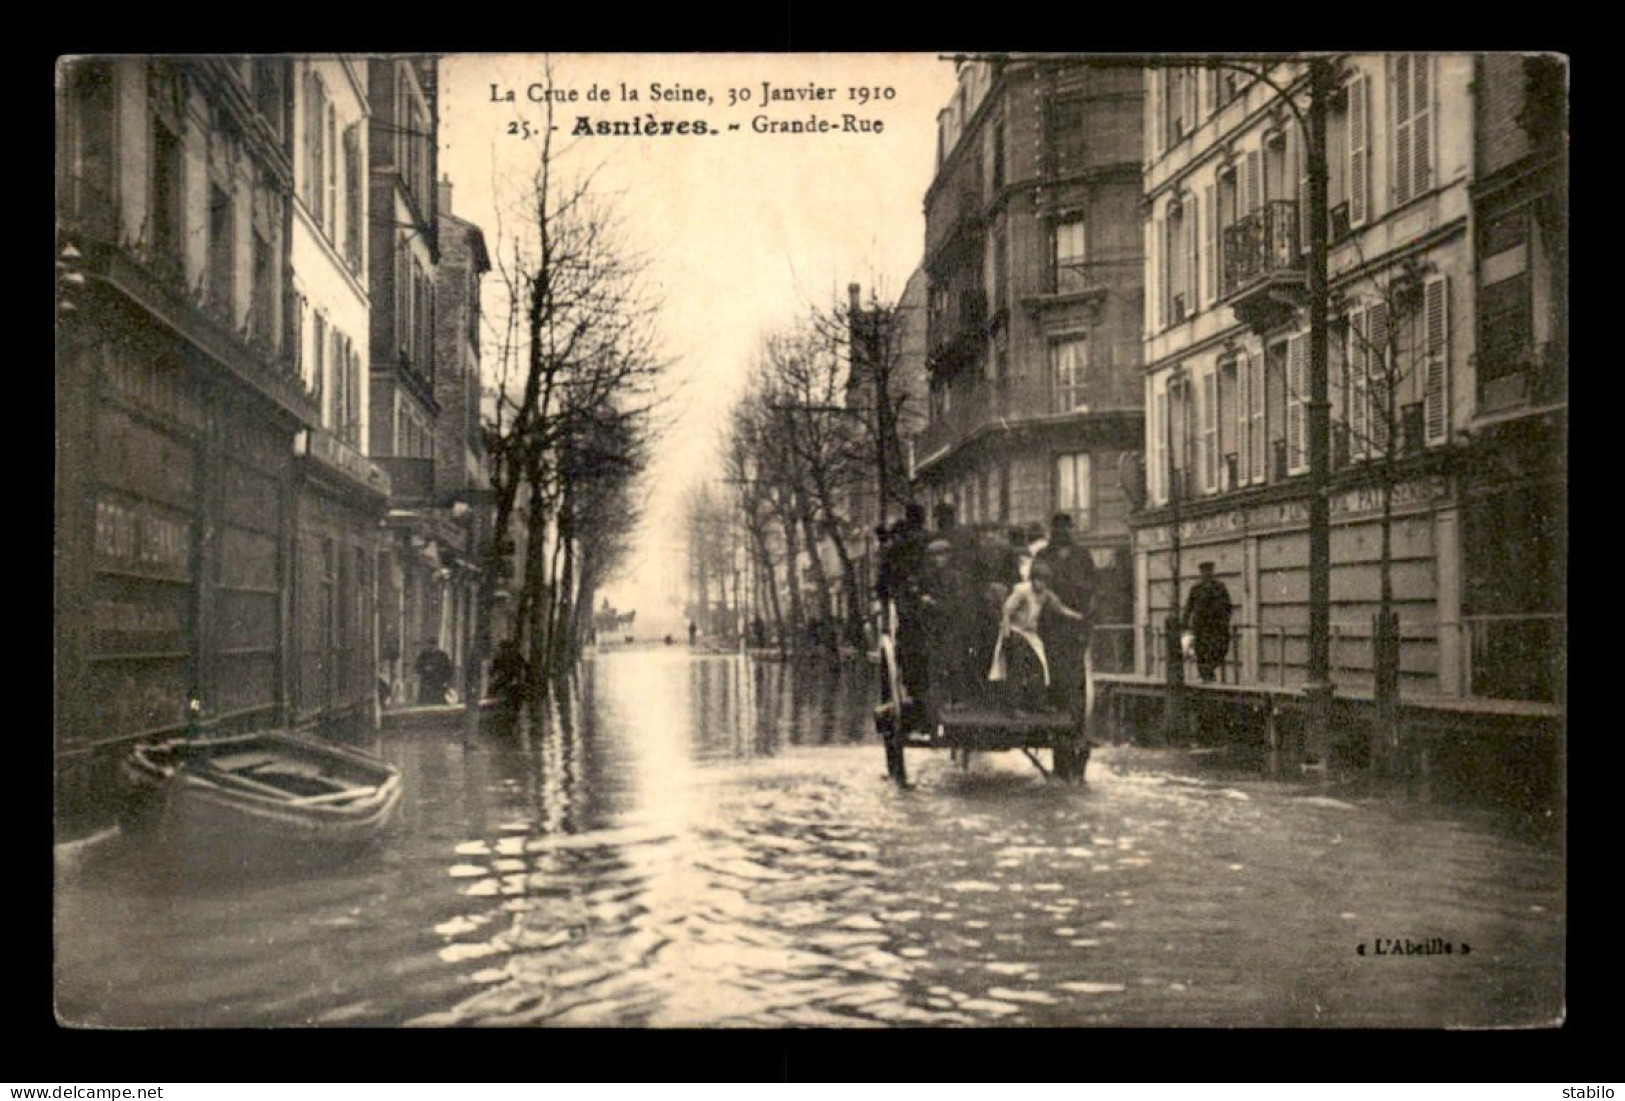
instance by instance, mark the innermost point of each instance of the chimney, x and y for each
(443, 199)
(852, 296)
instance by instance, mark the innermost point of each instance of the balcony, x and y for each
(1522, 376)
(342, 463)
(411, 481)
(957, 329)
(984, 403)
(154, 279)
(1264, 274)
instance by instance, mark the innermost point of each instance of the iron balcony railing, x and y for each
(1261, 244)
(978, 402)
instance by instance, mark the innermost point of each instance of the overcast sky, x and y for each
(741, 230)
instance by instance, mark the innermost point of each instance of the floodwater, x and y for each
(689, 845)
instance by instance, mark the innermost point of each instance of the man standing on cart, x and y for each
(899, 582)
(1066, 640)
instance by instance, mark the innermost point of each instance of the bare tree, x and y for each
(1396, 401)
(574, 403)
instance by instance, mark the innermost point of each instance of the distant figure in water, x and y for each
(668, 640)
(434, 673)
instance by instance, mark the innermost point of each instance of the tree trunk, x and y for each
(815, 561)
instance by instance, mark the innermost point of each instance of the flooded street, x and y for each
(691, 846)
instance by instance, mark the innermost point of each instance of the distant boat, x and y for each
(268, 786)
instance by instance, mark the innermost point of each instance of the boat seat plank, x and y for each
(250, 783)
(236, 762)
(334, 796)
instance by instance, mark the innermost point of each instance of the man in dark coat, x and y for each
(1207, 617)
(899, 580)
(950, 601)
(979, 626)
(1066, 641)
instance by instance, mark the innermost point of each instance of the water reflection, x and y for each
(693, 840)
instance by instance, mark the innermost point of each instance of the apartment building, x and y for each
(341, 494)
(1035, 269)
(1226, 354)
(178, 400)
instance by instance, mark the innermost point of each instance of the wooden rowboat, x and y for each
(268, 786)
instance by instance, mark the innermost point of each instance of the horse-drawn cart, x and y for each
(967, 719)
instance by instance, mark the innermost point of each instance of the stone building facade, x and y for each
(1035, 274)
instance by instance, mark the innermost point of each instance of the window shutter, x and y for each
(1162, 273)
(1436, 393)
(1421, 129)
(1210, 430)
(311, 109)
(1260, 441)
(1244, 397)
(1190, 83)
(1381, 382)
(1297, 376)
(1253, 182)
(1402, 129)
(1160, 450)
(1359, 154)
(1193, 211)
(1358, 372)
(1211, 214)
(1159, 80)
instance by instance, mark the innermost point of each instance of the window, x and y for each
(261, 320)
(1159, 449)
(1275, 389)
(1257, 437)
(1179, 246)
(89, 141)
(1068, 244)
(1068, 359)
(1412, 94)
(1225, 213)
(1224, 87)
(1208, 425)
(1178, 438)
(1179, 103)
(1505, 306)
(269, 95)
(1297, 407)
(168, 175)
(318, 364)
(1069, 130)
(220, 251)
(403, 297)
(338, 392)
(1228, 473)
(332, 174)
(1073, 491)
